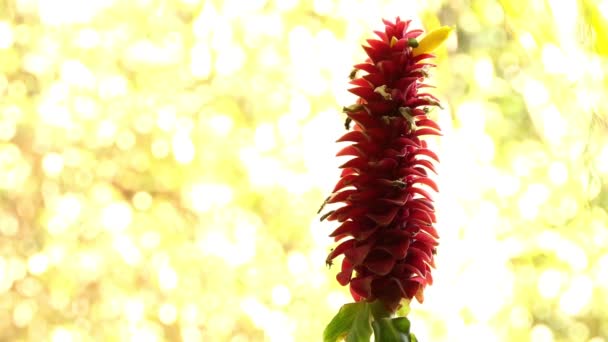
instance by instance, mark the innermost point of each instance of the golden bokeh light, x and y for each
(161, 164)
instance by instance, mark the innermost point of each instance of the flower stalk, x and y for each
(386, 219)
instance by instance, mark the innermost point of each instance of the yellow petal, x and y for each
(393, 41)
(433, 40)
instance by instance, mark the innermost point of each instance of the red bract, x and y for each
(386, 220)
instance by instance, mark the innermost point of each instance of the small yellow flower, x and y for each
(432, 40)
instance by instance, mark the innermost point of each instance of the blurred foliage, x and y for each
(161, 163)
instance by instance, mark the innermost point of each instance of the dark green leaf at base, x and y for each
(351, 323)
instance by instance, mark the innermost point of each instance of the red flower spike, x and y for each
(387, 213)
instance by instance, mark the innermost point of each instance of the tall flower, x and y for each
(387, 215)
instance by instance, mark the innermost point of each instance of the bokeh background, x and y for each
(161, 164)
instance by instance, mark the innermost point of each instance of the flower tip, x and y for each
(433, 40)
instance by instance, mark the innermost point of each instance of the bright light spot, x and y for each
(520, 317)
(301, 45)
(142, 200)
(234, 253)
(24, 312)
(256, 311)
(6, 35)
(269, 58)
(573, 255)
(9, 225)
(336, 53)
(262, 171)
(480, 332)
(191, 334)
(318, 134)
(323, 7)
(527, 41)
(229, 60)
(116, 216)
(112, 86)
(297, 263)
(106, 131)
(281, 295)
(11, 270)
(299, 106)
(203, 197)
(472, 116)
(286, 5)
(166, 118)
(183, 148)
(14, 170)
(146, 52)
(507, 185)
(535, 93)
(87, 38)
(134, 309)
(603, 8)
(566, 250)
(85, 107)
(61, 334)
(486, 148)
(221, 124)
(264, 137)
(541, 333)
(6, 279)
(63, 12)
(38, 263)
(484, 72)
(200, 61)
(167, 277)
(554, 60)
(90, 264)
(189, 314)
(8, 128)
(144, 123)
(127, 250)
(75, 73)
(146, 333)
(558, 173)
(601, 270)
(578, 295)
(54, 115)
(533, 197)
(167, 314)
(288, 127)
(238, 7)
(312, 82)
(550, 283)
(484, 304)
(160, 148)
(222, 35)
(276, 325)
(602, 157)
(335, 300)
(125, 140)
(150, 240)
(565, 13)
(52, 164)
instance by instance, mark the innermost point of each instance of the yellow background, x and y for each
(161, 163)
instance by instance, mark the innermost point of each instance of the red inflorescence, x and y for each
(387, 214)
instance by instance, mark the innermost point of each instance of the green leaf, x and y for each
(351, 323)
(402, 324)
(404, 310)
(392, 329)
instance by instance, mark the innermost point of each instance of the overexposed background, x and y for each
(161, 164)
